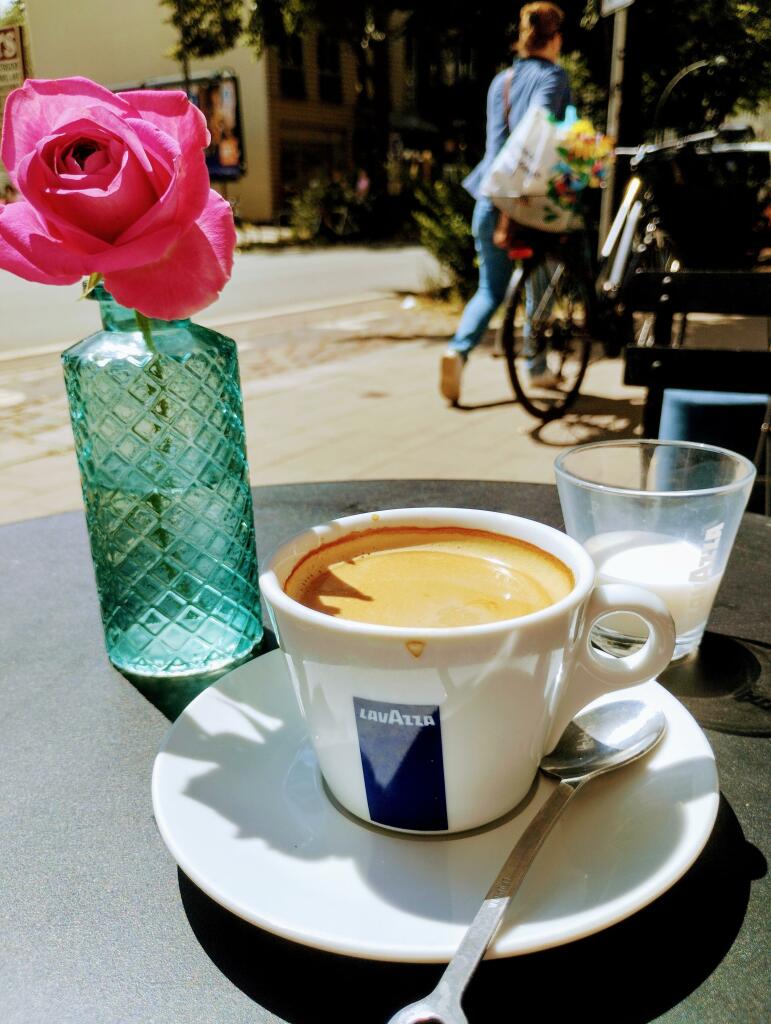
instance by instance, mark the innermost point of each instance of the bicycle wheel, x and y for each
(558, 327)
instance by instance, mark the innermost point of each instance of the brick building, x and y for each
(297, 103)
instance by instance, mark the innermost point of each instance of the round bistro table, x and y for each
(98, 924)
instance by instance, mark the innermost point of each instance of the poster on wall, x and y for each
(218, 97)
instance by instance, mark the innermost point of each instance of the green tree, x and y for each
(665, 36)
(204, 28)
(15, 13)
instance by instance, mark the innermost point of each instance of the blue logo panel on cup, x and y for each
(401, 756)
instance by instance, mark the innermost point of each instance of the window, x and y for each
(305, 159)
(291, 74)
(330, 78)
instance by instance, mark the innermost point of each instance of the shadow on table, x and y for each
(725, 684)
(637, 969)
(171, 696)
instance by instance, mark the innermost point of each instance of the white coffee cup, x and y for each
(442, 730)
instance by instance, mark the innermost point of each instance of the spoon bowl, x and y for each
(598, 740)
(603, 738)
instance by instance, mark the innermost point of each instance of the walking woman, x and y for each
(534, 79)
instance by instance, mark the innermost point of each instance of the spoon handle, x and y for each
(485, 924)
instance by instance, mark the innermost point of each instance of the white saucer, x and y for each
(240, 804)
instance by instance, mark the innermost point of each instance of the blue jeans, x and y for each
(494, 273)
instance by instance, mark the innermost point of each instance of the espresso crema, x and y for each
(428, 577)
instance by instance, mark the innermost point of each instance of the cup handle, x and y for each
(594, 672)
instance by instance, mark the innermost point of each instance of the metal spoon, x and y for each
(596, 741)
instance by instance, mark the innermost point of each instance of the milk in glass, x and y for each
(679, 572)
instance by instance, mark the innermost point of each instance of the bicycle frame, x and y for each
(548, 294)
(617, 247)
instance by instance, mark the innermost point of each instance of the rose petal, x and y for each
(188, 190)
(39, 107)
(58, 155)
(99, 210)
(104, 212)
(54, 154)
(64, 164)
(189, 276)
(103, 127)
(26, 249)
(100, 256)
(146, 179)
(173, 113)
(137, 253)
(34, 175)
(97, 161)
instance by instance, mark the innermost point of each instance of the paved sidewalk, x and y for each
(347, 393)
(343, 392)
(380, 416)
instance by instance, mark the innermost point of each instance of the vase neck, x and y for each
(119, 318)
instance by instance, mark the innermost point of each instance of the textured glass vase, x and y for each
(159, 437)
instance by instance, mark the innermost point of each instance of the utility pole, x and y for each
(615, 94)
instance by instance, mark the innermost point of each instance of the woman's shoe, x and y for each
(451, 371)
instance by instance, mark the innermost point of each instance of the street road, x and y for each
(41, 317)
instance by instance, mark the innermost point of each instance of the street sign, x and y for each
(611, 6)
(11, 64)
(11, 61)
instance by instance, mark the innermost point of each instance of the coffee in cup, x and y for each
(433, 577)
(426, 727)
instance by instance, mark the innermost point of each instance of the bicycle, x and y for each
(693, 203)
(652, 239)
(564, 324)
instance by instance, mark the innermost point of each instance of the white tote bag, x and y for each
(518, 179)
(524, 165)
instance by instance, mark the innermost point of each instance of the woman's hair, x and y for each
(538, 23)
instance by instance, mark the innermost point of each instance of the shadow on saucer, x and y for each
(630, 973)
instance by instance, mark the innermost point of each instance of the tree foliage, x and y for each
(442, 213)
(666, 37)
(663, 37)
(204, 27)
(357, 22)
(13, 13)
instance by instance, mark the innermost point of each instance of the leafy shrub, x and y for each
(330, 209)
(443, 216)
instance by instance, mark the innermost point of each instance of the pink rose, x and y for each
(114, 184)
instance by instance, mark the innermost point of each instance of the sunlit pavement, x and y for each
(340, 383)
(331, 394)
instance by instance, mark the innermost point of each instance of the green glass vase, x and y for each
(159, 437)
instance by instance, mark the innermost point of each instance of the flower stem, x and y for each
(144, 326)
(90, 283)
(156, 366)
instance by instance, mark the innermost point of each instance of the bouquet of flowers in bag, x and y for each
(544, 166)
(585, 155)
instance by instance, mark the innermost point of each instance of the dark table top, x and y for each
(98, 925)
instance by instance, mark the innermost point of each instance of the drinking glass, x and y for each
(660, 514)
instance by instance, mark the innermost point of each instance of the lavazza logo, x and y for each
(395, 717)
